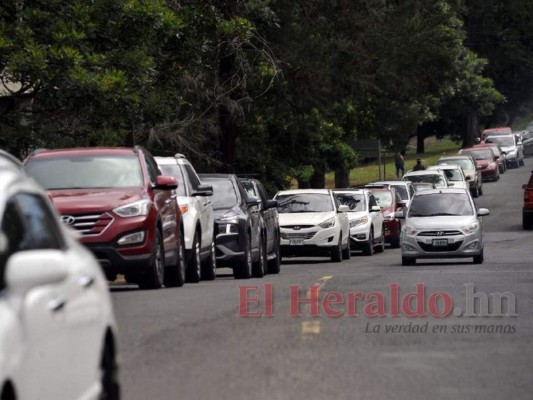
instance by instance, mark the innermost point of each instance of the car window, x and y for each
(504, 141)
(224, 194)
(372, 201)
(249, 188)
(463, 163)
(383, 198)
(304, 202)
(193, 177)
(453, 175)
(354, 201)
(402, 191)
(153, 169)
(441, 204)
(174, 171)
(481, 154)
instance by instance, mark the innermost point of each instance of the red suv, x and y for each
(122, 208)
(527, 210)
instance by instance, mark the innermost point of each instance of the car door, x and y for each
(377, 217)
(270, 219)
(343, 218)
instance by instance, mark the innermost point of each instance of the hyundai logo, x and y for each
(68, 219)
(439, 233)
(296, 228)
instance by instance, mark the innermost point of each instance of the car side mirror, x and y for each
(343, 208)
(252, 201)
(26, 270)
(399, 215)
(271, 204)
(163, 182)
(482, 212)
(403, 203)
(375, 209)
(203, 190)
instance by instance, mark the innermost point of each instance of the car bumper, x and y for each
(458, 246)
(490, 174)
(309, 242)
(229, 249)
(392, 229)
(359, 236)
(114, 261)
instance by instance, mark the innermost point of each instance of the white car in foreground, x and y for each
(313, 223)
(57, 330)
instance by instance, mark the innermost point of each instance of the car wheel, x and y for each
(259, 267)
(175, 275)
(526, 221)
(479, 258)
(336, 252)
(155, 276)
(480, 190)
(194, 273)
(109, 374)
(243, 270)
(347, 252)
(517, 163)
(209, 265)
(369, 246)
(408, 261)
(275, 264)
(381, 246)
(522, 161)
(475, 192)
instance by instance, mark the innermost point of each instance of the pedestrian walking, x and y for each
(399, 162)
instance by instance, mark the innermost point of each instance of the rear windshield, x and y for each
(354, 201)
(383, 197)
(453, 175)
(86, 172)
(463, 163)
(402, 191)
(440, 204)
(304, 202)
(504, 141)
(224, 194)
(481, 154)
(436, 179)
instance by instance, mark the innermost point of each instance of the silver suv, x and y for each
(194, 202)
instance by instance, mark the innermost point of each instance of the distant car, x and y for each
(471, 170)
(442, 223)
(498, 152)
(486, 160)
(527, 144)
(313, 223)
(58, 336)
(436, 177)
(390, 203)
(122, 206)
(502, 130)
(513, 148)
(455, 175)
(194, 201)
(527, 209)
(367, 229)
(404, 189)
(423, 186)
(269, 223)
(239, 241)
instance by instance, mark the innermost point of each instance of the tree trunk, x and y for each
(303, 184)
(318, 180)
(420, 138)
(472, 130)
(342, 178)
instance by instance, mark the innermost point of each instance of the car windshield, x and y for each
(504, 141)
(304, 202)
(440, 204)
(453, 175)
(383, 197)
(481, 154)
(174, 170)
(354, 201)
(402, 191)
(463, 163)
(224, 194)
(437, 179)
(86, 172)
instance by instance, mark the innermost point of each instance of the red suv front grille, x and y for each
(88, 224)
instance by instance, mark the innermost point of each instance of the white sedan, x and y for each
(57, 330)
(313, 223)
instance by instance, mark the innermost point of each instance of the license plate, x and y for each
(440, 242)
(296, 242)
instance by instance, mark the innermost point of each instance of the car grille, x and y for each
(440, 233)
(88, 225)
(297, 235)
(430, 248)
(297, 227)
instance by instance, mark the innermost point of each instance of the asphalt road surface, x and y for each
(189, 343)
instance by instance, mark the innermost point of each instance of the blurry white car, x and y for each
(57, 330)
(436, 177)
(455, 175)
(313, 223)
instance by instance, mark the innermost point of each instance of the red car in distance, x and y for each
(498, 152)
(502, 130)
(527, 210)
(486, 161)
(389, 201)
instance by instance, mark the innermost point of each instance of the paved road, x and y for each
(188, 343)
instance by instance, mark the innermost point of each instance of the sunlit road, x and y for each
(189, 343)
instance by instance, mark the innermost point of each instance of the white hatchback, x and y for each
(57, 330)
(313, 223)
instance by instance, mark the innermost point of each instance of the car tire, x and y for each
(194, 267)
(522, 163)
(110, 386)
(380, 248)
(274, 265)
(479, 258)
(526, 221)
(175, 275)
(336, 252)
(155, 276)
(480, 190)
(347, 251)
(209, 265)
(475, 192)
(368, 250)
(395, 242)
(259, 267)
(408, 261)
(243, 269)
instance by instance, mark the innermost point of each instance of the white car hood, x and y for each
(440, 223)
(311, 218)
(356, 215)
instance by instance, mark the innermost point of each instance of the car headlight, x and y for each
(471, 228)
(492, 165)
(408, 230)
(328, 223)
(358, 221)
(136, 209)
